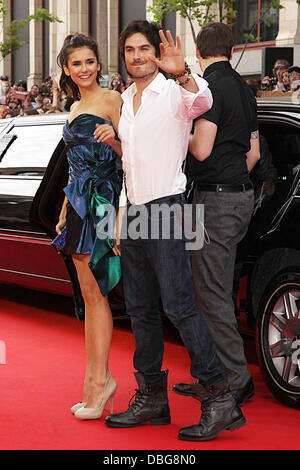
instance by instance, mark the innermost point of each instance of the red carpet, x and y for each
(43, 377)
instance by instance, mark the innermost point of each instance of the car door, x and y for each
(26, 255)
(45, 211)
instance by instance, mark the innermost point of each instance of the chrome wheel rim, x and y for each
(284, 337)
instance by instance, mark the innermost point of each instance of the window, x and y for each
(250, 20)
(32, 148)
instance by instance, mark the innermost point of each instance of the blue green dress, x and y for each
(93, 199)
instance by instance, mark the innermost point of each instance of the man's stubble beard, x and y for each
(142, 77)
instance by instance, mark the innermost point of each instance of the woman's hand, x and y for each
(60, 225)
(104, 133)
(117, 231)
(116, 248)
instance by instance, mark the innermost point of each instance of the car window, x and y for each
(276, 172)
(32, 147)
(284, 145)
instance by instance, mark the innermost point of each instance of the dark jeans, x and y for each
(160, 268)
(226, 220)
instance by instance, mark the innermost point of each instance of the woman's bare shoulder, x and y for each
(113, 96)
(74, 106)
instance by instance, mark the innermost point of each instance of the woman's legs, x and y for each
(98, 333)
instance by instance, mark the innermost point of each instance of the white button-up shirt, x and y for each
(155, 140)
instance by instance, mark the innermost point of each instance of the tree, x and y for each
(262, 17)
(202, 12)
(192, 10)
(12, 41)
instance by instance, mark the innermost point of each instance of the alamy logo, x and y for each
(156, 222)
(2, 352)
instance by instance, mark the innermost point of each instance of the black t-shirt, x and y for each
(234, 112)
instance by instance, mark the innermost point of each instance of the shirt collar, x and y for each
(156, 85)
(223, 64)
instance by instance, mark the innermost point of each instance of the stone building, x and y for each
(104, 19)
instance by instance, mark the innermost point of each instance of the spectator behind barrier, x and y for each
(294, 72)
(275, 82)
(116, 83)
(40, 99)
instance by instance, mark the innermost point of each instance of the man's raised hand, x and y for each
(171, 60)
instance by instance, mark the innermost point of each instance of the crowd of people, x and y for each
(285, 79)
(45, 98)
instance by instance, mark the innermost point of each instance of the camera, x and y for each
(273, 81)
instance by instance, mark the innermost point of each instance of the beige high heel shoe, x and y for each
(108, 393)
(77, 406)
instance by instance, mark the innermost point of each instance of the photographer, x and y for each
(275, 83)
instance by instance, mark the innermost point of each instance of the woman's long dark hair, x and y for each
(71, 42)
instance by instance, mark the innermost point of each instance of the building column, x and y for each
(289, 28)
(149, 3)
(35, 46)
(113, 37)
(183, 30)
(74, 14)
(289, 24)
(5, 64)
(102, 34)
(82, 16)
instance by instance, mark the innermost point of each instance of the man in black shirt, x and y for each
(223, 149)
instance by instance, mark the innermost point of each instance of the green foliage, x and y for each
(202, 12)
(12, 41)
(193, 10)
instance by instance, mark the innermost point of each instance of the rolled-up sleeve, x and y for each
(192, 105)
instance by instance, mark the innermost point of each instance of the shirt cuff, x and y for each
(200, 102)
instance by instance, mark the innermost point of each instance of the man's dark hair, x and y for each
(215, 40)
(148, 29)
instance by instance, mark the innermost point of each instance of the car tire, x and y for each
(278, 336)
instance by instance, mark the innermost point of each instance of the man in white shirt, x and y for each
(154, 129)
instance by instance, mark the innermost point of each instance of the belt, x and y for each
(224, 188)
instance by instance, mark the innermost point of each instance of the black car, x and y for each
(34, 170)
(268, 259)
(32, 162)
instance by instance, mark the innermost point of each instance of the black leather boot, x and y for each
(188, 390)
(241, 395)
(150, 405)
(219, 412)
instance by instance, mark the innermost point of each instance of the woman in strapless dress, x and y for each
(92, 197)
